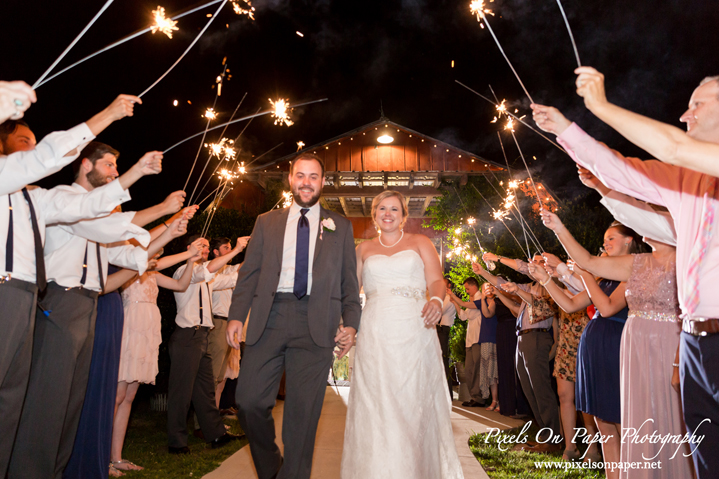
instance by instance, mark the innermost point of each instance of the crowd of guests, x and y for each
(632, 333)
(79, 283)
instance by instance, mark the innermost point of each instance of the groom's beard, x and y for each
(308, 204)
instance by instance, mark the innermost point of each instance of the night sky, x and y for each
(360, 55)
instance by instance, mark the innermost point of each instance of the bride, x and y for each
(398, 417)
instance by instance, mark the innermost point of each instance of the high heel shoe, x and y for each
(494, 406)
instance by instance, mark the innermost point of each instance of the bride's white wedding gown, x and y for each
(398, 418)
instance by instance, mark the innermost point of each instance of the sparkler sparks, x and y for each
(300, 145)
(501, 215)
(163, 24)
(477, 8)
(510, 124)
(223, 149)
(210, 114)
(240, 10)
(281, 115)
(227, 175)
(471, 221)
(242, 168)
(287, 195)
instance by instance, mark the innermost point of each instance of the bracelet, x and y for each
(676, 365)
(165, 225)
(546, 282)
(441, 302)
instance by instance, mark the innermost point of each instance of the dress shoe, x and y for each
(225, 438)
(178, 450)
(198, 434)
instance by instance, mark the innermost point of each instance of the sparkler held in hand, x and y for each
(477, 8)
(126, 39)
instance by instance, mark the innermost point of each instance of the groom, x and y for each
(298, 279)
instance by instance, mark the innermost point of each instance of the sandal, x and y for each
(125, 465)
(114, 472)
(493, 406)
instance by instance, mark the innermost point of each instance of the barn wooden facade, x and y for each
(363, 162)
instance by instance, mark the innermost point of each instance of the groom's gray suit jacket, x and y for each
(335, 290)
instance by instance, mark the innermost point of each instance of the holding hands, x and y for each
(345, 339)
(432, 313)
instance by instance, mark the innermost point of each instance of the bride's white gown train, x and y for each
(398, 418)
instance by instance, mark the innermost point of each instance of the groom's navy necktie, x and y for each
(302, 255)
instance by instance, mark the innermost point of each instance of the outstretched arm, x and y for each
(516, 264)
(183, 282)
(617, 268)
(569, 304)
(217, 263)
(665, 142)
(512, 305)
(606, 305)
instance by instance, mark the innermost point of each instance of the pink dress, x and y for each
(141, 336)
(649, 344)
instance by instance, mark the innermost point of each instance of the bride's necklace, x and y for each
(393, 245)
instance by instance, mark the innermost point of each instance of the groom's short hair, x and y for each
(471, 280)
(308, 157)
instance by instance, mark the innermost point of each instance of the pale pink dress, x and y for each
(141, 335)
(649, 345)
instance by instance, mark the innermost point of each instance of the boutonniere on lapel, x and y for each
(327, 224)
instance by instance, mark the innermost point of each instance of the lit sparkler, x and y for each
(280, 113)
(477, 8)
(242, 170)
(287, 196)
(300, 145)
(510, 124)
(240, 10)
(226, 174)
(471, 220)
(163, 24)
(210, 114)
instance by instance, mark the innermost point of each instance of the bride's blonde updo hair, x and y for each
(383, 196)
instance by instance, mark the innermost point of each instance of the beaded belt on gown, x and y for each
(403, 291)
(664, 317)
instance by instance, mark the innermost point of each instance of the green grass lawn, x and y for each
(506, 464)
(146, 445)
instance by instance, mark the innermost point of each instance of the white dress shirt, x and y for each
(641, 217)
(188, 301)
(474, 321)
(65, 248)
(223, 284)
(59, 204)
(49, 156)
(289, 247)
(448, 312)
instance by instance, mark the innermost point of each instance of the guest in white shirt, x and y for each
(474, 321)
(222, 286)
(191, 376)
(64, 324)
(443, 328)
(22, 161)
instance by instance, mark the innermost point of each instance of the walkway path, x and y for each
(330, 436)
